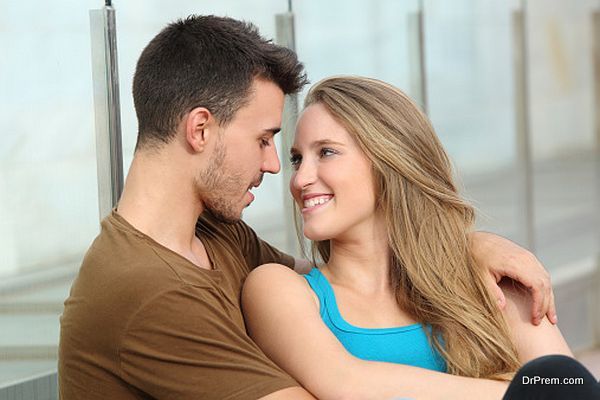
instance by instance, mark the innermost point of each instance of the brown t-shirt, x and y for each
(142, 322)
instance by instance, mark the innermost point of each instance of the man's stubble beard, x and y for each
(216, 185)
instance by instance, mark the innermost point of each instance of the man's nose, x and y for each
(271, 162)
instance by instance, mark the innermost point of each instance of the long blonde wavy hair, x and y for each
(433, 273)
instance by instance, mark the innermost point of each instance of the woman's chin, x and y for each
(315, 235)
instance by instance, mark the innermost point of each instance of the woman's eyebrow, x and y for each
(322, 142)
(317, 143)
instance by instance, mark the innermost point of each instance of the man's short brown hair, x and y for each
(205, 61)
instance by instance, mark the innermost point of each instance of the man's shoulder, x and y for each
(122, 251)
(120, 275)
(119, 252)
(122, 264)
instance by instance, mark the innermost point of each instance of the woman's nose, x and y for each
(304, 176)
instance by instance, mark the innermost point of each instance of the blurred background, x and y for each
(512, 88)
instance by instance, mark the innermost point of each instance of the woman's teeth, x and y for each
(315, 201)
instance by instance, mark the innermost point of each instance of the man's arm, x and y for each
(505, 259)
(283, 318)
(531, 341)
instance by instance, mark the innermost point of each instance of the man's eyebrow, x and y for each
(273, 130)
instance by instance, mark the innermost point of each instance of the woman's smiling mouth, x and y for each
(313, 202)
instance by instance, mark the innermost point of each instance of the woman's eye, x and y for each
(295, 160)
(325, 152)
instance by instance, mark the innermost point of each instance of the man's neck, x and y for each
(159, 200)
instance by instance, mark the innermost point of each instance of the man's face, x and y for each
(244, 151)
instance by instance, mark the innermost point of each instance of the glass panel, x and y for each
(48, 192)
(472, 99)
(370, 38)
(562, 130)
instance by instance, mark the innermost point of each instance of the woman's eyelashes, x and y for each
(324, 152)
(295, 160)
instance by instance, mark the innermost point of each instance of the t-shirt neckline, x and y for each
(123, 223)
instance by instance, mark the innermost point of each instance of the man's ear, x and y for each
(199, 125)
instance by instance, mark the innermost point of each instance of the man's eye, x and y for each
(264, 143)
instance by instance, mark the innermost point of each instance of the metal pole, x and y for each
(109, 153)
(416, 57)
(285, 37)
(596, 78)
(524, 155)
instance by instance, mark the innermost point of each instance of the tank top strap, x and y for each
(322, 289)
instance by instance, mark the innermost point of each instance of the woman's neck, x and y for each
(361, 261)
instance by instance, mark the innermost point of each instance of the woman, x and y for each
(398, 284)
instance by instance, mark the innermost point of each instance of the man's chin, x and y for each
(227, 218)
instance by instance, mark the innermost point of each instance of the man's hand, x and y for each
(504, 258)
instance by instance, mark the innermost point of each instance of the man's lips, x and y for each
(252, 186)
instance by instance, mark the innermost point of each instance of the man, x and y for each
(154, 311)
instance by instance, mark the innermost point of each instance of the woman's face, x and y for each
(332, 182)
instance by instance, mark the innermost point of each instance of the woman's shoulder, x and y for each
(271, 282)
(275, 272)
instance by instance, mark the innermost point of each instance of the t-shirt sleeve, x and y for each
(185, 344)
(257, 251)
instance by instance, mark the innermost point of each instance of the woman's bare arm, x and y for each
(291, 393)
(283, 318)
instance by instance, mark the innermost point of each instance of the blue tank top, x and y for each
(401, 345)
